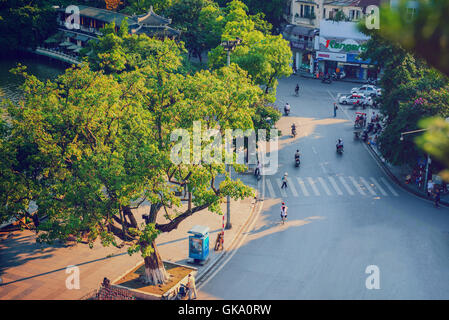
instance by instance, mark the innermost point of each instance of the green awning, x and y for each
(81, 37)
(66, 44)
(73, 47)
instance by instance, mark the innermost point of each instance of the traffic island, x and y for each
(131, 281)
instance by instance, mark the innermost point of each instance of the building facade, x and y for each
(71, 39)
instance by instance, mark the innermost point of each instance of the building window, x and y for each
(354, 14)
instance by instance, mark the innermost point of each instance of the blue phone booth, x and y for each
(199, 244)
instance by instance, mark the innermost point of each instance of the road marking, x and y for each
(343, 181)
(270, 189)
(389, 186)
(321, 180)
(378, 186)
(303, 188)
(314, 151)
(293, 189)
(368, 187)
(357, 186)
(314, 188)
(283, 193)
(323, 168)
(335, 186)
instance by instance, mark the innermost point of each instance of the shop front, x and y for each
(301, 44)
(338, 51)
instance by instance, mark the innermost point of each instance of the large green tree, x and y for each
(265, 57)
(90, 147)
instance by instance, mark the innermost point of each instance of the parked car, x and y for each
(352, 99)
(367, 90)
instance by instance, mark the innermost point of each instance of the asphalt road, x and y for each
(344, 215)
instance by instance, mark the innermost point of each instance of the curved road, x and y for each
(344, 215)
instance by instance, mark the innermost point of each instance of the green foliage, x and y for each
(136, 7)
(25, 24)
(265, 57)
(405, 79)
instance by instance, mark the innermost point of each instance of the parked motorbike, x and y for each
(326, 80)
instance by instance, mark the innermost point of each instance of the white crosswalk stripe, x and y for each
(382, 190)
(357, 186)
(335, 186)
(293, 188)
(283, 193)
(324, 185)
(343, 181)
(368, 187)
(389, 186)
(303, 187)
(270, 189)
(312, 184)
(330, 187)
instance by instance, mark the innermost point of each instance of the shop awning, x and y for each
(65, 44)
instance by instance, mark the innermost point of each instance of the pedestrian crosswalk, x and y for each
(328, 186)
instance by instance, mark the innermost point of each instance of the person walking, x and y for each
(430, 188)
(335, 109)
(191, 286)
(284, 181)
(437, 197)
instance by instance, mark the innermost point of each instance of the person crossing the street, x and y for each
(284, 181)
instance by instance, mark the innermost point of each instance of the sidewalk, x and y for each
(311, 76)
(398, 174)
(37, 271)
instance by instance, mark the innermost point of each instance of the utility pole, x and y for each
(229, 46)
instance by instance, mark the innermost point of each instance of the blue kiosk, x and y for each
(199, 244)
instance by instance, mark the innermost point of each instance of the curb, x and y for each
(201, 275)
(397, 181)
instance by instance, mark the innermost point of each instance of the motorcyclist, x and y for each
(294, 129)
(339, 144)
(297, 155)
(297, 89)
(287, 108)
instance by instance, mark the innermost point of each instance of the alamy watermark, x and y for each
(73, 280)
(373, 281)
(208, 147)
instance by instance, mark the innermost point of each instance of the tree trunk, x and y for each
(155, 272)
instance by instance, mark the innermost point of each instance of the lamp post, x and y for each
(428, 157)
(229, 46)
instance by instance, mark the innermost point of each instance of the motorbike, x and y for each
(294, 132)
(286, 111)
(365, 136)
(326, 80)
(297, 161)
(339, 148)
(338, 76)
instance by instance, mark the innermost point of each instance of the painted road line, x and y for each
(367, 186)
(378, 186)
(270, 189)
(324, 185)
(303, 187)
(357, 186)
(283, 193)
(293, 189)
(314, 188)
(343, 181)
(389, 186)
(335, 186)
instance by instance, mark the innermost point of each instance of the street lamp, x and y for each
(229, 46)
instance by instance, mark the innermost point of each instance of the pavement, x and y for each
(38, 271)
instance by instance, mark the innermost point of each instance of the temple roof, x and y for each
(152, 19)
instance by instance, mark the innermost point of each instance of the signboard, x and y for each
(341, 57)
(342, 45)
(353, 57)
